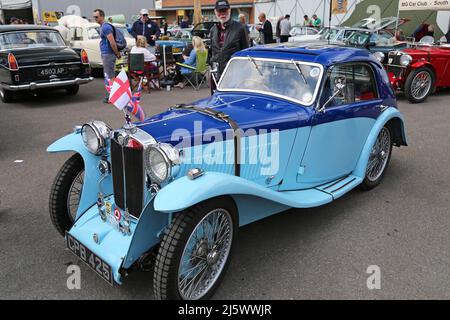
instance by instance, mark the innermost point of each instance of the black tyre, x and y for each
(73, 90)
(6, 95)
(419, 85)
(65, 194)
(195, 251)
(379, 159)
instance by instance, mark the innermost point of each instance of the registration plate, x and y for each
(56, 71)
(91, 259)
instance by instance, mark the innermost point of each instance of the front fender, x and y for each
(184, 193)
(420, 64)
(74, 143)
(387, 116)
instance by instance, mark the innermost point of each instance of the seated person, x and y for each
(429, 35)
(420, 32)
(191, 60)
(141, 47)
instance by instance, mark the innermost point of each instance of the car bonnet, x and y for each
(252, 113)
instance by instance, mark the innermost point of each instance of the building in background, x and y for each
(352, 11)
(22, 9)
(40, 10)
(174, 10)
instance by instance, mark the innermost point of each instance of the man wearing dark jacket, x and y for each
(147, 28)
(265, 29)
(227, 37)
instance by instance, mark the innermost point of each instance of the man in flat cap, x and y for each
(227, 37)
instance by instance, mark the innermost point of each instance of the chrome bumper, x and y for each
(50, 84)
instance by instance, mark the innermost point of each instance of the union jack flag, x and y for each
(134, 106)
(108, 84)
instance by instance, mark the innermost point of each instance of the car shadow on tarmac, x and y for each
(49, 98)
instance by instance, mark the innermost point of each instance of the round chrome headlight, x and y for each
(405, 60)
(160, 161)
(94, 134)
(379, 56)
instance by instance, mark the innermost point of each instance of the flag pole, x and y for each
(331, 11)
(398, 17)
(329, 21)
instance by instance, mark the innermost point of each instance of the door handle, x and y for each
(383, 107)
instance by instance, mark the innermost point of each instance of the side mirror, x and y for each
(371, 44)
(339, 84)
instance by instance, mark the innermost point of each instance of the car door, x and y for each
(76, 36)
(91, 44)
(340, 131)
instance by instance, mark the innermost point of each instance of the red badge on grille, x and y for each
(117, 214)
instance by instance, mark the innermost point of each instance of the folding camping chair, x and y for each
(147, 71)
(199, 74)
(135, 69)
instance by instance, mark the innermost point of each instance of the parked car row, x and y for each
(416, 69)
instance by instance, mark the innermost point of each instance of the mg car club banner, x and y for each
(416, 5)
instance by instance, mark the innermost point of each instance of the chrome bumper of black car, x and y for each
(49, 84)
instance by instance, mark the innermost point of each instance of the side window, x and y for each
(76, 34)
(341, 74)
(365, 84)
(311, 32)
(340, 36)
(360, 84)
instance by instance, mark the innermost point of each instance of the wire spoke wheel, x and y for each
(421, 85)
(65, 194)
(379, 155)
(74, 196)
(205, 254)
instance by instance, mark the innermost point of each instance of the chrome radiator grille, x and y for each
(128, 177)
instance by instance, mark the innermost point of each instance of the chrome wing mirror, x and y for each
(339, 85)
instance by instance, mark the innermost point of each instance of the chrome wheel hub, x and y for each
(205, 254)
(202, 248)
(212, 257)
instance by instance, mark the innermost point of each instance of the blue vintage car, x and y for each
(288, 127)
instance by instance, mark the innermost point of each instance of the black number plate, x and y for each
(92, 260)
(55, 71)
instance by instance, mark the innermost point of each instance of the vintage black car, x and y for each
(35, 57)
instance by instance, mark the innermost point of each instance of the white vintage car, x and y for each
(87, 36)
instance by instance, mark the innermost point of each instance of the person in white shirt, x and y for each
(64, 31)
(141, 47)
(285, 29)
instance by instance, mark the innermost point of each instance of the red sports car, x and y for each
(419, 71)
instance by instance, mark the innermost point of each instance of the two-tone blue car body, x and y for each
(288, 127)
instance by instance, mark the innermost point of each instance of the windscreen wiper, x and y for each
(300, 72)
(256, 65)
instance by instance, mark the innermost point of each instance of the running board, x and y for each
(340, 186)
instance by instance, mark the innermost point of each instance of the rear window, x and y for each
(30, 39)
